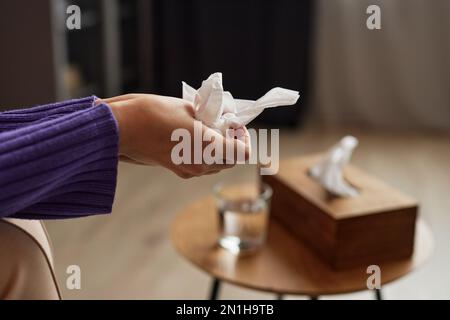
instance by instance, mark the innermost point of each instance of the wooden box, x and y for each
(373, 227)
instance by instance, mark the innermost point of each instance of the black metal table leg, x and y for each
(215, 289)
(378, 294)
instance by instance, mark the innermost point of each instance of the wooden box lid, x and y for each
(375, 196)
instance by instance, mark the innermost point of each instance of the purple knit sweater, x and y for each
(58, 160)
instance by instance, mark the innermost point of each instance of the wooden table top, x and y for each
(283, 265)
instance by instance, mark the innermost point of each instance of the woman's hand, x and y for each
(146, 123)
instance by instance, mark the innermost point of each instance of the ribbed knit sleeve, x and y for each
(58, 160)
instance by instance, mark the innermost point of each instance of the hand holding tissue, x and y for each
(219, 110)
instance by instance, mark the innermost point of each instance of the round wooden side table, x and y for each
(283, 265)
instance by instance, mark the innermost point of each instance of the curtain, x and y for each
(398, 76)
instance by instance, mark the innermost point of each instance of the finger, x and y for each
(234, 150)
(244, 136)
(240, 150)
(240, 133)
(236, 133)
(248, 143)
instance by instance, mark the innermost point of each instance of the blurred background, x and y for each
(388, 87)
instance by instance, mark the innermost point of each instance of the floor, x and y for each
(128, 254)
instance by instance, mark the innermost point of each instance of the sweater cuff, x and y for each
(58, 160)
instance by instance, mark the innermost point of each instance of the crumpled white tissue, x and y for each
(329, 170)
(218, 109)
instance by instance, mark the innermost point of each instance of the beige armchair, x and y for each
(26, 261)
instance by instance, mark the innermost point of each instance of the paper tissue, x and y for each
(218, 109)
(371, 227)
(329, 170)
